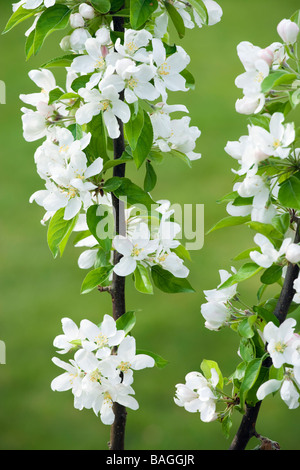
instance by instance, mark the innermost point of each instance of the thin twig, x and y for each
(117, 291)
(247, 427)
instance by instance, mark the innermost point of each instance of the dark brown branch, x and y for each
(117, 433)
(247, 427)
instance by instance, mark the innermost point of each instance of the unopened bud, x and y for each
(87, 11)
(288, 31)
(76, 21)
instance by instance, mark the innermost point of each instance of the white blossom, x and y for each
(279, 339)
(198, 394)
(288, 31)
(269, 254)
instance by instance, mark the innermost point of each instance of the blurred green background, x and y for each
(37, 291)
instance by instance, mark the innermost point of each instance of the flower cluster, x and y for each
(145, 244)
(265, 197)
(259, 63)
(218, 311)
(283, 345)
(199, 394)
(97, 376)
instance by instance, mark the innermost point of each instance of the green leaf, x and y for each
(76, 130)
(126, 322)
(52, 19)
(166, 282)
(296, 17)
(279, 77)
(206, 366)
(133, 128)
(247, 349)
(98, 144)
(271, 275)
(226, 425)
(244, 254)
(62, 61)
(245, 272)
(266, 315)
(262, 121)
(142, 280)
(189, 79)
(100, 222)
(250, 377)
(59, 231)
(289, 193)
(275, 373)
(265, 229)
(245, 327)
(230, 222)
(176, 19)
(182, 252)
(160, 362)
(141, 11)
(133, 194)
(144, 142)
(126, 158)
(103, 6)
(80, 82)
(21, 14)
(29, 45)
(201, 9)
(95, 278)
(112, 184)
(150, 178)
(281, 222)
(54, 95)
(262, 377)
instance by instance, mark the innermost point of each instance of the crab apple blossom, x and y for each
(293, 253)
(101, 338)
(288, 31)
(108, 101)
(32, 4)
(198, 395)
(289, 389)
(269, 254)
(134, 250)
(137, 80)
(168, 69)
(114, 110)
(279, 341)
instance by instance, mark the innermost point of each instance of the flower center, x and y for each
(136, 251)
(164, 69)
(64, 148)
(131, 47)
(105, 105)
(280, 347)
(107, 399)
(72, 192)
(163, 257)
(259, 77)
(276, 143)
(95, 376)
(101, 340)
(124, 366)
(100, 64)
(132, 83)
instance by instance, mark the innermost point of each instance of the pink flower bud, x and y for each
(104, 51)
(288, 31)
(267, 55)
